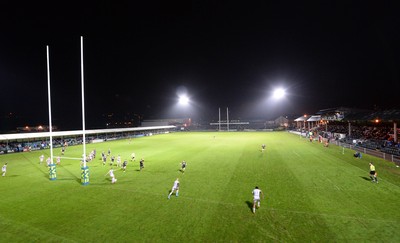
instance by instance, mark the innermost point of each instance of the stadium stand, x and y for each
(22, 142)
(374, 130)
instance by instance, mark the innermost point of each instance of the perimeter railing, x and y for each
(373, 152)
(376, 153)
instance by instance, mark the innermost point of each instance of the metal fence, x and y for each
(376, 153)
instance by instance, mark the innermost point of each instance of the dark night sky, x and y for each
(224, 53)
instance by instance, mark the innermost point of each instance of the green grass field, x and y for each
(313, 193)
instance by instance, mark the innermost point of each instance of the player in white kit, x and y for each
(111, 173)
(257, 193)
(4, 169)
(119, 161)
(175, 188)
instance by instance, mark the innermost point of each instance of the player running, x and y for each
(104, 158)
(48, 161)
(41, 158)
(141, 164)
(256, 198)
(175, 188)
(183, 166)
(119, 161)
(4, 169)
(111, 173)
(112, 160)
(372, 173)
(124, 165)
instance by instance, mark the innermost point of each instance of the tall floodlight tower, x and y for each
(52, 166)
(84, 168)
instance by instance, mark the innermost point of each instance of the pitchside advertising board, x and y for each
(24, 149)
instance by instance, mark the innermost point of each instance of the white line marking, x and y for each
(70, 158)
(269, 209)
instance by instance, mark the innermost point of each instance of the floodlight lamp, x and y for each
(279, 93)
(184, 100)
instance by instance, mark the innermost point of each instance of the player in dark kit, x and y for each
(112, 160)
(141, 163)
(124, 165)
(104, 160)
(183, 166)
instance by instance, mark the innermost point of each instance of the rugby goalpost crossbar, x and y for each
(71, 158)
(219, 123)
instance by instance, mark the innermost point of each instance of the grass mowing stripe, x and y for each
(240, 205)
(333, 215)
(8, 225)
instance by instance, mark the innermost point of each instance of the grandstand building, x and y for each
(375, 130)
